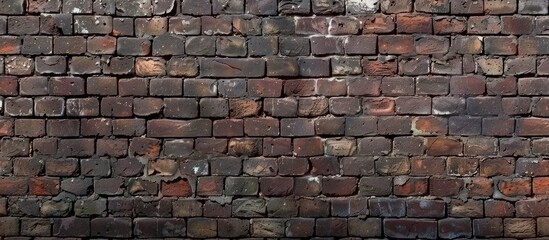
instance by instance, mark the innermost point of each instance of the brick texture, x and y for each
(267, 119)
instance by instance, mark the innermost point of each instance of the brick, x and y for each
(214, 107)
(248, 25)
(61, 167)
(343, 26)
(324, 166)
(220, 25)
(541, 66)
(393, 166)
(395, 44)
(69, 45)
(211, 145)
(454, 228)
(300, 227)
(56, 24)
(182, 67)
(178, 187)
(519, 227)
(345, 66)
(23, 25)
(19, 65)
(14, 186)
(532, 7)
(310, 107)
(30, 127)
(500, 7)
(323, 7)
(165, 167)
(541, 25)
(13, 7)
(442, 25)
(472, 208)
(387, 207)
(105, 227)
(378, 106)
(245, 147)
(293, 166)
(10, 45)
(119, 66)
(45, 146)
(260, 166)
(376, 186)
(517, 25)
(102, 85)
(331, 227)
(276, 186)
(530, 208)
(239, 108)
(412, 23)
(93, 24)
(71, 227)
(196, 7)
(133, 46)
(232, 68)
(313, 208)
(411, 146)
(75, 147)
(426, 208)
(344, 186)
(378, 23)
(233, 227)
(116, 107)
(391, 6)
(167, 45)
(380, 66)
(128, 127)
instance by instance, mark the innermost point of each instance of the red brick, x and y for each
(13, 186)
(413, 23)
(426, 166)
(515, 187)
(445, 25)
(342, 186)
(179, 128)
(497, 166)
(307, 147)
(532, 127)
(488, 227)
(395, 44)
(498, 208)
(228, 128)
(540, 185)
(210, 186)
(378, 23)
(445, 187)
(179, 187)
(378, 106)
(380, 66)
(467, 85)
(293, 166)
(44, 186)
(410, 186)
(276, 186)
(469, 208)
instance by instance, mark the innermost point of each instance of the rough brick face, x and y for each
(274, 119)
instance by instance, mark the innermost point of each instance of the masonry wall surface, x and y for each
(274, 119)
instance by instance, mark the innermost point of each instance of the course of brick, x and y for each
(274, 118)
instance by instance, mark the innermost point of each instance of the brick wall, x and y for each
(266, 118)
